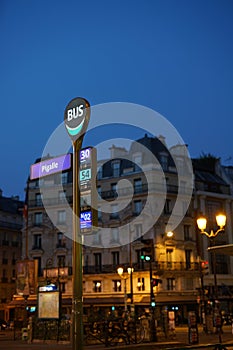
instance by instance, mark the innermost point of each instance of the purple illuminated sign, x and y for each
(50, 166)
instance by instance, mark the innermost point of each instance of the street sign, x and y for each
(50, 166)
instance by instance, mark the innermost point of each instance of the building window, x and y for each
(189, 284)
(99, 214)
(171, 284)
(97, 286)
(187, 235)
(4, 258)
(61, 216)
(164, 161)
(137, 160)
(38, 199)
(115, 258)
(98, 262)
(169, 258)
(116, 285)
(13, 259)
(138, 231)
(138, 253)
(64, 178)
(114, 211)
(167, 206)
(137, 207)
(188, 253)
(114, 190)
(115, 168)
(4, 276)
(61, 240)
(37, 241)
(221, 264)
(62, 196)
(141, 284)
(100, 173)
(5, 241)
(137, 186)
(61, 261)
(38, 218)
(15, 240)
(115, 235)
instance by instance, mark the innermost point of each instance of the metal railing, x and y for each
(157, 266)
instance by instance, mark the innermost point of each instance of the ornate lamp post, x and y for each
(221, 222)
(125, 276)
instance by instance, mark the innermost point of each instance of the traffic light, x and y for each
(144, 256)
(148, 250)
(152, 301)
(205, 267)
(155, 282)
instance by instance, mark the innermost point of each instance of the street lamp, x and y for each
(125, 276)
(221, 222)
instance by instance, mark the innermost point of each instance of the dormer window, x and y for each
(116, 168)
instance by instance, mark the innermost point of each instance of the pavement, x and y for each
(180, 341)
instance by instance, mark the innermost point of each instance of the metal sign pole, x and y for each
(77, 307)
(77, 115)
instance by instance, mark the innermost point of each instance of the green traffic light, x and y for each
(145, 257)
(153, 303)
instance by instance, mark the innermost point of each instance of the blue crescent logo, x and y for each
(76, 130)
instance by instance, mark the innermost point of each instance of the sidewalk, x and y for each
(181, 340)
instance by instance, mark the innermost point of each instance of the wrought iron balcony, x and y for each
(157, 266)
(49, 202)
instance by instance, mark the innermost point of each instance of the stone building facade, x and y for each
(137, 197)
(11, 223)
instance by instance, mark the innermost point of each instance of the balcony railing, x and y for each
(157, 266)
(10, 225)
(49, 201)
(111, 194)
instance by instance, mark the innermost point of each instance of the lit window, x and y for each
(116, 285)
(141, 284)
(97, 286)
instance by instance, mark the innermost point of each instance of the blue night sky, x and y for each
(173, 56)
